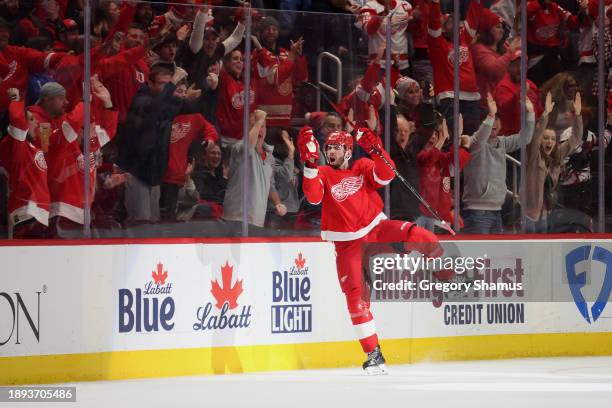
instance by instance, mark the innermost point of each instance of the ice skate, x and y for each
(375, 364)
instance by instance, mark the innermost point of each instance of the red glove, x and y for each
(368, 140)
(308, 147)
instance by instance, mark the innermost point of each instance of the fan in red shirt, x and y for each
(16, 63)
(373, 20)
(25, 167)
(63, 152)
(127, 71)
(352, 215)
(230, 105)
(186, 129)
(363, 103)
(507, 96)
(280, 71)
(440, 43)
(545, 22)
(435, 175)
(420, 62)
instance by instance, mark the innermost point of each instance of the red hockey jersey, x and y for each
(435, 179)
(66, 162)
(363, 103)
(276, 98)
(122, 75)
(418, 27)
(543, 23)
(371, 20)
(26, 170)
(351, 206)
(16, 63)
(442, 55)
(185, 129)
(507, 97)
(230, 105)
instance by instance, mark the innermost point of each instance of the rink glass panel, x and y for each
(581, 205)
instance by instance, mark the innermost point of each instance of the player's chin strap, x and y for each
(439, 221)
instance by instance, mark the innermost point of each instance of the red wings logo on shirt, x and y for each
(346, 187)
(463, 55)
(446, 184)
(39, 159)
(11, 71)
(547, 32)
(238, 99)
(81, 163)
(179, 131)
(286, 87)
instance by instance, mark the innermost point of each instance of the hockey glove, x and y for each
(308, 147)
(368, 140)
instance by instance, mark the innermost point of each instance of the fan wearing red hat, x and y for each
(491, 55)
(67, 36)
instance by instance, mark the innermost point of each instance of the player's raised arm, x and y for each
(369, 141)
(309, 155)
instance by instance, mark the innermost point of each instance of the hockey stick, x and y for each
(439, 221)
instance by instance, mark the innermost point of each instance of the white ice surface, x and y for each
(520, 383)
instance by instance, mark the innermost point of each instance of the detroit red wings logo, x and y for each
(446, 184)
(81, 162)
(238, 99)
(179, 131)
(11, 71)
(346, 187)
(463, 55)
(39, 159)
(548, 31)
(286, 87)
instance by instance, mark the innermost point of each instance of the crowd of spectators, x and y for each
(168, 90)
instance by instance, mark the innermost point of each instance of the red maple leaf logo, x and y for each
(299, 261)
(227, 292)
(160, 276)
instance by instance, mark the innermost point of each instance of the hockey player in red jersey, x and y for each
(352, 216)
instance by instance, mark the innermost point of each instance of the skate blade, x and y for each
(380, 369)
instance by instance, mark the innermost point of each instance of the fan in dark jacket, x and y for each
(144, 140)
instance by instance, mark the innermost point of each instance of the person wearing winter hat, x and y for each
(413, 105)
(491, 55)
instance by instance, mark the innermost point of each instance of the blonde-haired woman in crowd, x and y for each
(544, 157)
